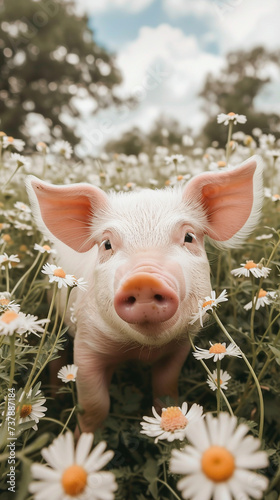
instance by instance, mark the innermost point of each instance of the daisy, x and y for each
(207, 304)
(63, 148)
(20, 160)
(13, 321)
(217, 351)
(172, 423)
(79, 283)
(263, 298)
(231, 117)
(264, 236)
(7, 304)
(219, 462)
(275, 197)
(68, 373)
(224, 378)
(7, 260)
(32, 408)
(18, 144)
(73, 473)
(44, 249)
(257, 270)
(175, 159)
(42, 147)
(22, 206)
(58, 275)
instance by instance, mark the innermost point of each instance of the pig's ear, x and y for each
(66, 212)
(232, 201)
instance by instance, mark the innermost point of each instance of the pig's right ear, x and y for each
(66, 212)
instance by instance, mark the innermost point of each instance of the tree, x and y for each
(235, 89)
(49, 59)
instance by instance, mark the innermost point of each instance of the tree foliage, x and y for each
(49, 60)
(235, 89)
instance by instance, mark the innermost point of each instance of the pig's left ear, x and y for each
(231, 199)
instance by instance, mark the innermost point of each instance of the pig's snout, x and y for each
(145, 298)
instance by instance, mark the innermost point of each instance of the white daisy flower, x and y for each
(207, 304)
(44, 249)
(257, 270)
(7, 260)
(79, 283)
(32, 408)
(18, 144)
(22, 206)
(73, 473)
(58, 275)
(264, 236)
(21, 226)
(20, 160)
(7, 304)
(217, 351)
(68, 373)
(63, 148)
(264, 298)
(267, 140)
(42, 147)
(172, 423)
(219, 462)
(175, 159)
(275, 197)
(224, 378)
(231, 117)
(13, 321)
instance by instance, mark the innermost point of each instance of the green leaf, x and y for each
(276, 353)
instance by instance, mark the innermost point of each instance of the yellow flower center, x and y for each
(25, 411)
(46, 247)
(262, 293)
(250, 264)
(70, 376)
(23, 248)
(4, 302)
(216, 380)
(59, 272)
(231, 114)
(7, 238)
(217, 464)
(180, 178)
(208, 303)
(221, 163)
(276, 196)
(173, 419)
(217, 349)
(10, 139)
(2, 134)
(74, 480)
(8, 316)
(167, 183)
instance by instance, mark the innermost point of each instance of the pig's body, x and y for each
(144, 259)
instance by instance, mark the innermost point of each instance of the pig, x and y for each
(142, 254)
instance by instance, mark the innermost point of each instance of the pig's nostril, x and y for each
(159, 298)
(130, 300)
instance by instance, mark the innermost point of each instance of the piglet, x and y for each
(142, 254)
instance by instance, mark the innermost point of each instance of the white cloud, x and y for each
(98, 6)
(235, 23)
(165, 70)
(177, 8)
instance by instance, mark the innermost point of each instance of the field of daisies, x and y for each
(223, 440)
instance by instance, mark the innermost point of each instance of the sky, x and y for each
(166, 48)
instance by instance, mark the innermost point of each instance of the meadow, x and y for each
(243, 391)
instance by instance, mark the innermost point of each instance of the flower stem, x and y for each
(261, 424)
(218, 392)
(230, 127)
(169, 487)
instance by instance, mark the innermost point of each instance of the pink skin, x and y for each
(217, 204)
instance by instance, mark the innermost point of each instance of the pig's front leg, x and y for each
(166, 371)
(93, 380)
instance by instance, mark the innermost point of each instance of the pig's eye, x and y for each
(107, 245)
(189, 237)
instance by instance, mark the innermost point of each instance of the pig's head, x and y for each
(143, 252)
